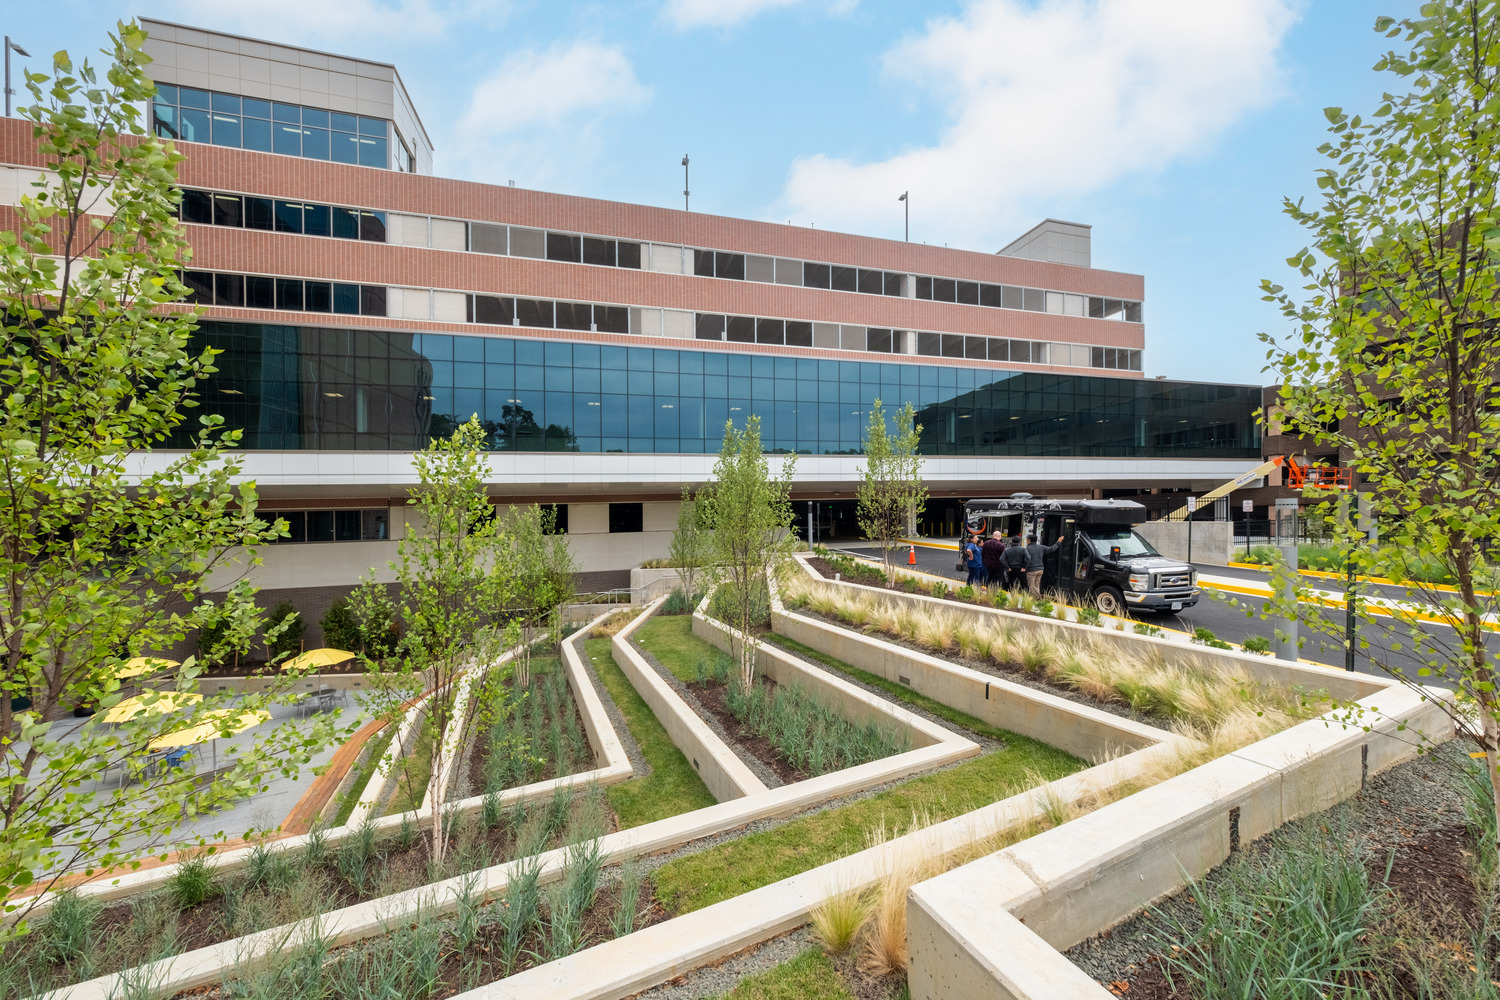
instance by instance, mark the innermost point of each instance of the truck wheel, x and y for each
(1109, 600)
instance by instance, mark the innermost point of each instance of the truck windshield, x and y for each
(1129, 542)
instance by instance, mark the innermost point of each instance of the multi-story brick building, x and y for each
(364, 305)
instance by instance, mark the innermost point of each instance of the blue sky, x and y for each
(1174, 127)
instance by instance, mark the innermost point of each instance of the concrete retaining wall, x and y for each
(614, 766)
(1082, 730)
(649, 584)
(1339, 684)
(1213, 541)
(726, 776)
(1084, 877)
(853, 703)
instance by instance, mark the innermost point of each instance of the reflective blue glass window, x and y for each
(530, 352)
(586, 380)
(286, 113)
(468, 374)
(191, 98)
(256, 135)
(229, 104)
(498, 349)
(166, 94)
(468, 349)
(640, 358)
(666, 383)
(253, 108)
(437, 345)
(226, 130)
(286, 139)
(373, 152)
(344, 147)
(716, 363)
(559, 378)
(315, 143)
(640, 382)
(529, 377)
(195, 125)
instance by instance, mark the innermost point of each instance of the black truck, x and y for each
(1098, 556)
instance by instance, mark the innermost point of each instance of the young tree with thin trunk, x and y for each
(454, 578)
(105, 547)
(891, 492)
(689, 548)
(749, 515)
(1395, 355)
(542, 570)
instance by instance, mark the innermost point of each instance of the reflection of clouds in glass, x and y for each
(302, 387)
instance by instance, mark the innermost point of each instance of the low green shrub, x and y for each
(1044, 609)
(1203, 636)
(940, 590)
(1090, 616)
(1146, 628)
(966, 593)
(340, 629)
(910, 584)
(678, 603)
(193, 882)
(1257, 644)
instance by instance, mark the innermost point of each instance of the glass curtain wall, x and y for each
(297, 387)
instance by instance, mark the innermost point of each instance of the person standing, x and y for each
(1014, 560)
(1036, 556)
(974, 562)
(992, 554)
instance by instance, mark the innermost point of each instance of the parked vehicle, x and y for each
(1099, 557)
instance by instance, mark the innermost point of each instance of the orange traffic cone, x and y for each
(911, 558)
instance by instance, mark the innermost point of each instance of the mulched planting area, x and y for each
(284, 887)
(713, 697)
(546, 716)
(438, 965)
(1428, 910)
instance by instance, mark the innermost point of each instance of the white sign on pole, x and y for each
(1192, 504)
(1247, 506)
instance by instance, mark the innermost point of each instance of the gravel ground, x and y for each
(616, 717)
(716, 980)
(1410, 799)
(761, 771)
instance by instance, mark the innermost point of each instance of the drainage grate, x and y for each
(903, 680)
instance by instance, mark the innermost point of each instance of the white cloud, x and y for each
(726, 13)
(540, 115)
(542, 89)
(1048, 102)
(320, 23)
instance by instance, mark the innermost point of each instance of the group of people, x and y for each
(999, 562)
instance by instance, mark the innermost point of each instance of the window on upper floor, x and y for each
(189, 114)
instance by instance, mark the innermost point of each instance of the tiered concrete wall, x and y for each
(1072, 882)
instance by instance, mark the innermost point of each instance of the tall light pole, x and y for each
(904, 201)
(684, 182)
(10, 45)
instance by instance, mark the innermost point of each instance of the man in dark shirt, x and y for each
(1014, 559)
(992, 553)
(1036, 555)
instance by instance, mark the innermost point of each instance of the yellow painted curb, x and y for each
(1326, 575)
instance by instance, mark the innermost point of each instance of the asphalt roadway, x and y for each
(1236, 617)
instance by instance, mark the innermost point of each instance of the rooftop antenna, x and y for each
(684, 182)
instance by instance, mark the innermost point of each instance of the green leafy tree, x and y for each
(454, 575)
(542, 573)
(340, 628)
(104, 546)
(891, 490)
(284, 631)
(691, 543)
(1394, 357)
(749, 517)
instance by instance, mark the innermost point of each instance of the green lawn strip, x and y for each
(374, 751)
(672, 787)
(758, 859)
(809, 976)
(670, 639)
(942, 711)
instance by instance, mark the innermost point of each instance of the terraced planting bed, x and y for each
(924, 763)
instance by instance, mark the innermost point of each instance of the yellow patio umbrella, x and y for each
(317, 658)
(137, 665)
(166, 701)
(218, 723)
